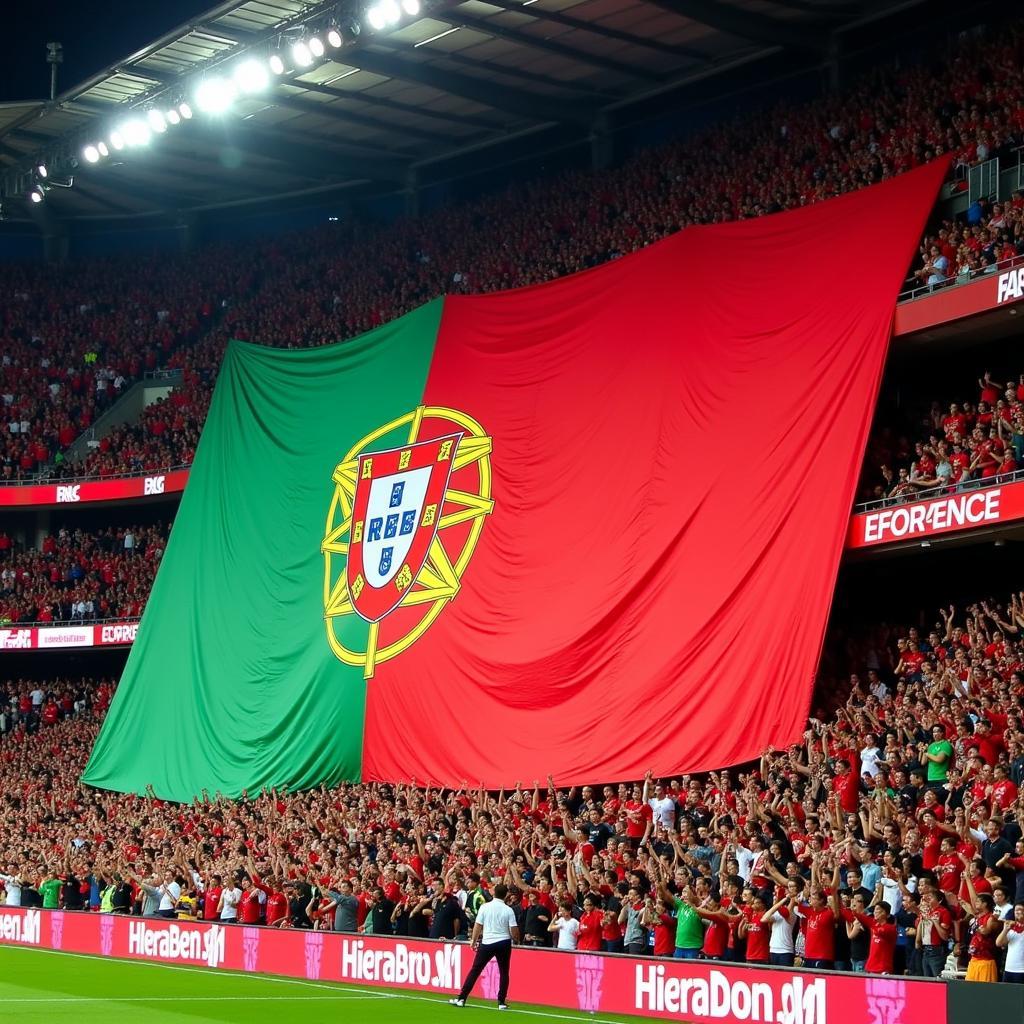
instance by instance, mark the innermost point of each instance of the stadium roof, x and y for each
(388, 105)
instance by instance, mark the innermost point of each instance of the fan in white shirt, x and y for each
(169, 892)
(230, 897)
(782, 919)
(567, 926)
(1012, 940)
(662, 805)
(12, 883)
(869, 757)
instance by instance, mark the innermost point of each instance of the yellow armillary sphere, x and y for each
(402, 526)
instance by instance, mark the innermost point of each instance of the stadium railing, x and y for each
(925, 290)
(927, 493)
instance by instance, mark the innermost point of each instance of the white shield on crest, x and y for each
(394, 507)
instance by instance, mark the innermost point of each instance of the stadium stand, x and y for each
(71, 342)
(907, 787)
(909, 792)
(77, 576)
(965, 444)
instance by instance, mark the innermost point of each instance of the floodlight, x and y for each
(215, 95)
(251, 76)
(136, 132)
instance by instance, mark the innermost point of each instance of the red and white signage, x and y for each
(115, 633)
(64, 636)
(991, 291)
(696, 991)
(51, 638)
(71, 493)
(21, 638)
(920, 519)
(23, 927)
(1010, 286)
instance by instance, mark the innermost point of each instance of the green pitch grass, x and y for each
(44, 987)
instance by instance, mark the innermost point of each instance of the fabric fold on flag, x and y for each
(587, 528)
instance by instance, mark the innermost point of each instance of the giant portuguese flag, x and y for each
(588, 528)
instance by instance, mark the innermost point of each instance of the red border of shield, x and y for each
(373, 603)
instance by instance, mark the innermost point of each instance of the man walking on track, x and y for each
(494, 932)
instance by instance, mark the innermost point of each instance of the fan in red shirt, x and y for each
(936, 924)
(882, 947)
(820, 914)
(277, 904)
(847, 787)
(664, 928)
(974, 877)
(984, 928)
(716, 937)
(949, 867)
(413, 859)
(931, 832)
(250, 907)
(211, 897)
(757, 933)
(591, 923)
(638, 816)
(989, 745)
(955, 424)
(1004, 791)
(611, 802)
(392, 890)
(611, 932)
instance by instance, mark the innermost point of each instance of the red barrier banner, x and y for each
(992, 291)
(694, 991)
(919, 519)
(50, 638)
(71, 493)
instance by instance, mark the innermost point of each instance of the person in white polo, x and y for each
(494, 932)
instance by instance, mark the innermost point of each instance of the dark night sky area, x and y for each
(94, 35)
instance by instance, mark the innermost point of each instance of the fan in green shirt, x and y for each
(50, 891)
(939, 755)
(689, 927)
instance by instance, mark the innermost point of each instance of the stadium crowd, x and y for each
(73, 338)
(990, 238)
(888, 840)
(965, 444)
(78, 576)
(165, 437)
